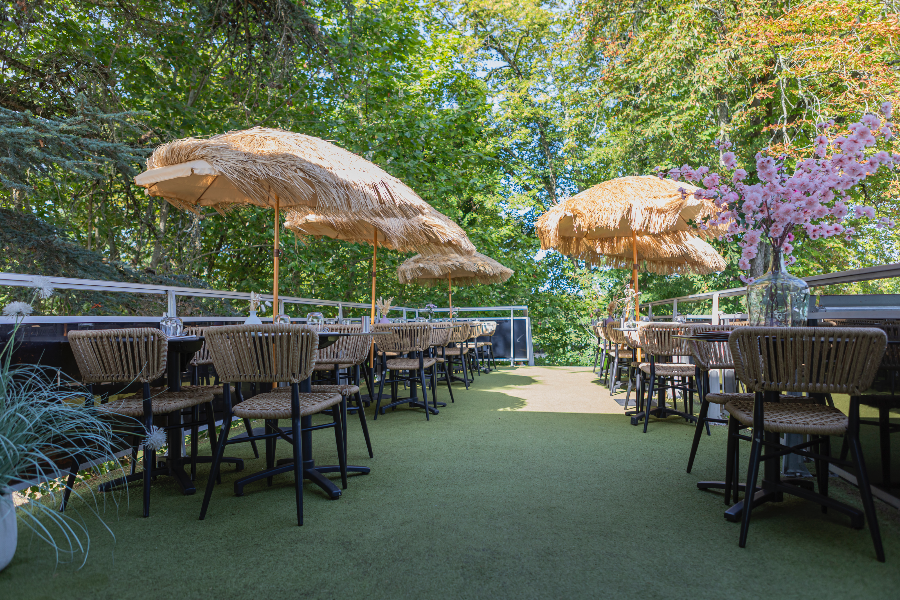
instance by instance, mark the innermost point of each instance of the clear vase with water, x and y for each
(778, 299)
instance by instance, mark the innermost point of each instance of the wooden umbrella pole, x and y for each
(634, 273)
(277, 256)
(372, 315)
(450, 293)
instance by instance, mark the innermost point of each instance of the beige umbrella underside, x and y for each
(428, 233)
(666, 254)
(258, 165)
(461, 270)
(619, 207)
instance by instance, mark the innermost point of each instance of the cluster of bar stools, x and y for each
(265, 373)
(789, 376)
(419, 357)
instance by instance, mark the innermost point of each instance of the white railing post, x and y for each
(341, 313)
(674, 308)
(172, 305)
(715, 309)
(650, 311)
(512, 340)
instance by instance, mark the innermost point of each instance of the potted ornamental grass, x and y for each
(785, 199)
(46, 427)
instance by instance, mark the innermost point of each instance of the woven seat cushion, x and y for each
(406, 364)
(482, 344)
(622, 353)
(344, 389)
(782, 417)
(163, 404)
(670, 369)
(455, 351)
(277, 405)
(726, 398)
(330, 366)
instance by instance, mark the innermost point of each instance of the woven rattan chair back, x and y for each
(460, 333)
(820, 360)
(120, 355)
(263, 353)
(440, 337)
(201, 356)
(406, 337)
(490, 328)
(476, 328)
(710, 355)
(345, 347)
(657, 339)
(891, 360)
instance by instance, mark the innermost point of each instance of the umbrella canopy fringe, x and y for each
(433, 270)
(300, 170)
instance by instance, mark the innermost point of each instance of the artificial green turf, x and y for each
(479, 502)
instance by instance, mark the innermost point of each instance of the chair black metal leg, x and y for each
(730, 461)
(217, 463)
(824, 448)
(252, 442)
(70, 483)
(653, 384)
(865, 490)
(447, 377)
(380, 392)
(298, 464)
(750, 488)
(195, 418)
(338, 413)
(462, 358)
(424, 392)
(364, 424)
(270, 450)
(698, 433)
(884, 433)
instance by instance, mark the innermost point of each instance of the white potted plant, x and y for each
(45, 427)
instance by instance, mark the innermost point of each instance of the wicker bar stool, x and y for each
(884, 402)
(137, 355)
(708, 356)
(406, 338)
(621, 355)
(472, 344)
(263, 354)
(485, 349)
(812, 360)
(657, 341)
(352, 351)
(459, 351)
(200, 364)
(440, 339)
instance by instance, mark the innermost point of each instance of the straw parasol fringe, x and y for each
(476, 269)
(643, 204)
(300, 170)
(677, 252)
(428, 233)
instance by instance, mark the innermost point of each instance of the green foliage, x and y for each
(492, 110)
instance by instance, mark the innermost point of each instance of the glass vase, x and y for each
(778, 299)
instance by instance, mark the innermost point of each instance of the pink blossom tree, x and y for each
(813, 199)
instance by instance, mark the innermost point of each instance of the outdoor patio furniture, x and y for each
(658, 342)
(347, 353)
(440, 338)
(811, 360)
(484, 349)
(708, 356)
(263, 354)
(458, 352)
(407, 339)
(200, 364)
(621, 357)
(883, 402)
(139, 355)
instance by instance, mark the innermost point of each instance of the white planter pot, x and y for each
(9, 532)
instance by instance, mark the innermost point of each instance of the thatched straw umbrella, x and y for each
(476, 269)
(280, 169)
(675, 253)
(649, 216)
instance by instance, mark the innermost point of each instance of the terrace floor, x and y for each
(532, 485)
